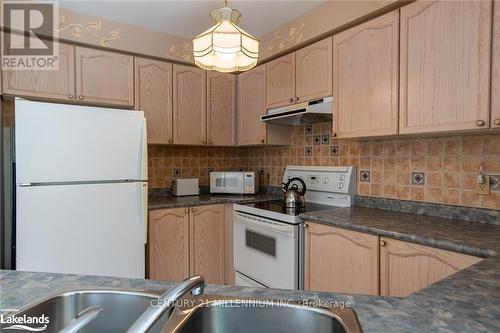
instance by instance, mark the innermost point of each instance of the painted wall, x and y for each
(450, 164)
(97, 31)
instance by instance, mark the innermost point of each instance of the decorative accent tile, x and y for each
(364, 176)
(418, 178)
(308, 129)
(210, 170)
(334, 150)
(495, 183)
(176, 172)
(325, 139)
(308, 151)
(317, 139)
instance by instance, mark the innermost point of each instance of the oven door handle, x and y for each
(263, 223)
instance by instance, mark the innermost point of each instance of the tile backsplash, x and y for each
(430, 169)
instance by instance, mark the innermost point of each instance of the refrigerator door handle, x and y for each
(144, 201)
(144, 160)
(144, 178)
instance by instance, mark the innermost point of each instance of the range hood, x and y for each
(316, 111)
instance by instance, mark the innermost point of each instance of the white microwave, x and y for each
(236, 182)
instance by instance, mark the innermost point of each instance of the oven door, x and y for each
(266, 251)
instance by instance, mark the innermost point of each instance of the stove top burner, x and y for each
(278, 206)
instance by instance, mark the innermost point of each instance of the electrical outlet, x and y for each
(484, 188)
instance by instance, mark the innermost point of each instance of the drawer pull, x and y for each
(383, 243)
(480, 123)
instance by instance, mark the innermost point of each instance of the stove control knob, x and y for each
(326, 180)
(341, 186)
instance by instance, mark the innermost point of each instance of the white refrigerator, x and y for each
(81, 189)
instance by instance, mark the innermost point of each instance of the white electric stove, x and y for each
(269, 238)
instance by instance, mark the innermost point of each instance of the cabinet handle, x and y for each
(291, 100)
(497, 122)
(296, 99)
(186, 211)
(170, 141)
(204, 142)
(334, 134)
(306, 225)
(480, 123)
(193, 210)
(71, 96)
(262, 141)
(383, 243)
(211, 141)
(80, 97)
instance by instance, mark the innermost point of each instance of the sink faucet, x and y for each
(195, 284)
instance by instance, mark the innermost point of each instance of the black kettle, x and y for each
(292, 196)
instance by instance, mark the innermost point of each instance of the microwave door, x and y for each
(228, 182)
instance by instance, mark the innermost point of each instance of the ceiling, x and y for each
(188, 18)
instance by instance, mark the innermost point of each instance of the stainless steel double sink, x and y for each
(204, 313)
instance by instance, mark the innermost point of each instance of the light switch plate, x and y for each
(484, 188)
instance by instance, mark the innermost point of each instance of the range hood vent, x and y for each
(317, 111)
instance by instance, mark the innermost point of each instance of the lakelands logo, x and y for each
(24, 322)
(29, 36)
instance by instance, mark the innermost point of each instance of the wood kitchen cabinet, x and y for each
(188, 241)
(314, 71)
(207, 242)
(406, 267)
(189, 105)
(50, 84)
(168, 244)
(251, 106)
(104, 77)
(495, 75)
(445, 66)
(280, 81)
(340, 260)
(300, 76)
(153, 95)
(365, 78)
(221, 109)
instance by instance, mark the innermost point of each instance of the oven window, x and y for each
(260, 242)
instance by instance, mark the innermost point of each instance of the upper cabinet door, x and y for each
(252, 105)
(314, 70)
(221, 108)
(495, 77)
(365, 78)
(445, 66)
(52, 84)
(104, 77)
(153, 95)
(280, 78)
(190, 116)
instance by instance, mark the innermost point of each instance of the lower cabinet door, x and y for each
(207, 242)
(168, 244)
(406, 267)
(340, 260)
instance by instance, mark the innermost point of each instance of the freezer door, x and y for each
(64, 143)
(82, 229)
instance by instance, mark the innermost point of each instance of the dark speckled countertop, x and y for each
(468, 301)
(170, 201)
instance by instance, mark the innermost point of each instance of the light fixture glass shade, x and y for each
(225, 47)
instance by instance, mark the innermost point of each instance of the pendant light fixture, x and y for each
(225, 47)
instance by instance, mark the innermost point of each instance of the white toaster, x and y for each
(186, 186)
